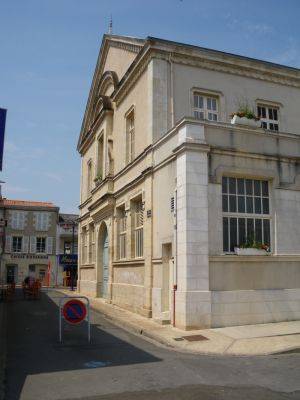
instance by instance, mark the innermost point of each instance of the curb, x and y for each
(137, 330)
(3, 327)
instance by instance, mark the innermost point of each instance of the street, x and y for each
(121, 365)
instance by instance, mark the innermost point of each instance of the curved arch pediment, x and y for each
(109, 78)
(101, 103)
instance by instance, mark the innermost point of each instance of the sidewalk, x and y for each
(2, 347)
(248, 340)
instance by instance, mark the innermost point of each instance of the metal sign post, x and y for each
(74, 311)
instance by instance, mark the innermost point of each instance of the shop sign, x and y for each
(30, 256)
(68, 259)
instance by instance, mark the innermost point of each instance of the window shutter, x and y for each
(48, 221)
(22, 220)
(25, 244)
(35, 220)
(49, 245)
(32, 244)
(14, 220)
(8, 244)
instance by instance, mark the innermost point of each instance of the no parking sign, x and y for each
(74, 311)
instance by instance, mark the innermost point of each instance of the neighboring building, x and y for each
(67, 248)
(169, 187)
(29, 238)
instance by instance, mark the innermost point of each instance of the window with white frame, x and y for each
(269, 117)
(138, 228)
(17, 244)
(130, 137)
(246, 212)
(41, 221)
(122, 231)
(18, 219)
(41, 245)
(205, 107)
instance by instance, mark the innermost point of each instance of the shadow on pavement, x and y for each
(33, 347)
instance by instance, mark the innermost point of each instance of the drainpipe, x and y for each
(171, 90)
(175, 260)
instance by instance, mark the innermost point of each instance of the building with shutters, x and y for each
(28, 240)
(173, 187)
(67, 245)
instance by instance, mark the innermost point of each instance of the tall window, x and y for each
(84, 245)
(269, 117)
(42, 221)
(138, 229)
(17, 244)
(100, 149)
(122, 228)
(130, 137)
(205, 107)
(246, 212)
(18, 219)
(91, 243)
(41, 245)
(89, 177)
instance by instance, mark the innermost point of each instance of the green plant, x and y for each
(98, 178)
(251, 243)
(245, 111)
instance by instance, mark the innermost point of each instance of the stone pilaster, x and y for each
(193, 298)
(148, 247)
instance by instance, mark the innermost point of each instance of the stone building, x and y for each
(66, 245)
(28, 240)
(172, 187)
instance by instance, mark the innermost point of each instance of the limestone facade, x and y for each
(169, 187)
(28, 240)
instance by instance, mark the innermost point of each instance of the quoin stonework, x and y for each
(188, 215)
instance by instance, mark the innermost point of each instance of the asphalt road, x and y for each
(121, 365)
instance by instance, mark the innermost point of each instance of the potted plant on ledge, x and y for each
(98, 179)
(245, 116)
(252, 248)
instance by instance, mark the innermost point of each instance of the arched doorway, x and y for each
(103, 261)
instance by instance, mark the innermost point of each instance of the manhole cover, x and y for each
(194, 338)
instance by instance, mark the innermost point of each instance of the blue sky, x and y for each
(48, 51)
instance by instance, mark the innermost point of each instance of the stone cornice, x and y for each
(88, 138)
(238, 69)
(130, 44)
(264, 258)
(247, 154)
(191, 146)
(254, 69)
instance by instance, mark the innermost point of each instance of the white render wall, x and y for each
(243, 307)
(233, 91)
(287, 206)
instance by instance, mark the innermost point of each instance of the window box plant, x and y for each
(245, 116)
(252, 248)
(98, 179)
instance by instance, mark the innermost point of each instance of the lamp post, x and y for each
(73, 246)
